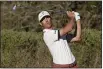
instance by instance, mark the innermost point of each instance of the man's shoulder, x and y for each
(50, 30)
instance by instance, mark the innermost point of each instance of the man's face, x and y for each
(46, 22)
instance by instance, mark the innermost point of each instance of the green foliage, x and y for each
(23, 49)
(88, 50)
(25, 17)
(27, 49)
(22, 44)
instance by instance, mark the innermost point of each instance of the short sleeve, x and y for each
(54, 35)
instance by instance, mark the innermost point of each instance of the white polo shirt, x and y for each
(58, 47)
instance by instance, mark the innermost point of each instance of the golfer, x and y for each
(57, 40)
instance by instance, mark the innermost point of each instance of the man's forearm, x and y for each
(78, 28)
(68, 27)
(78, 34)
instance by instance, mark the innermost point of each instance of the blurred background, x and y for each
(22, 44)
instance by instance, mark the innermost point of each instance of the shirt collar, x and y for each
(45, 30)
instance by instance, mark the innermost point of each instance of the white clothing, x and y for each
(58, 47)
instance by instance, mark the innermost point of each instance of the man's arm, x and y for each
(78, 33)
(69, 25)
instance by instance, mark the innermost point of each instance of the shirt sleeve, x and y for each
(54, 35)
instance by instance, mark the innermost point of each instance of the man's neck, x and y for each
(49, 28)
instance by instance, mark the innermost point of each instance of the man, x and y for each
(56, 40)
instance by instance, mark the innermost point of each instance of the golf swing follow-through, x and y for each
(57, 40)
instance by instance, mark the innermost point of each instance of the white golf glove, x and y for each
(77, 16)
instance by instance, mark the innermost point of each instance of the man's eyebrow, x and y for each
(44, 18)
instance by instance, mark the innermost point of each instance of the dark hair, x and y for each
(47, 16)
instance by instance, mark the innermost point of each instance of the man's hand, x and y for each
(77, 16)
(70, 14)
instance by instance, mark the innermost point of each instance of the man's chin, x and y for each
(49, 27)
